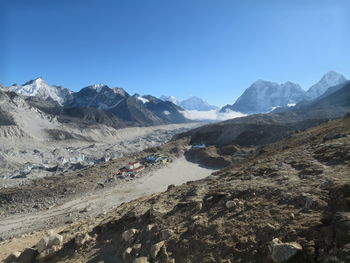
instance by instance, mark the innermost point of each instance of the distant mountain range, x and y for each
(192, 103)
(265, 96)
(99, 103)
(260, 129)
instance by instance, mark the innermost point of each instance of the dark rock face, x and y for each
(5, 119)
(256, 129)
(208, 157)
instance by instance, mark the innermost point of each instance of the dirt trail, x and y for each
(103, 200)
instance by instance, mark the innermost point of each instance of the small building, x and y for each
(133, 165)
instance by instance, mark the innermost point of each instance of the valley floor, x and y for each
(284, 202)
(93, 203)
(23, 159)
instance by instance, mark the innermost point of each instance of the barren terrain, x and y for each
(99, 201)
(287, 201)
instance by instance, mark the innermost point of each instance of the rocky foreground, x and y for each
(286, 202)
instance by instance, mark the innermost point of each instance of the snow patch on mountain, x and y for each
(120, 91)
(142, 99)
(172, 99)
(98, 87)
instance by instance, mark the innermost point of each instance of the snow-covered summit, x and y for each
(330, 79)
(195, 103)
(172, 99)
(39, 88)
(142, 99)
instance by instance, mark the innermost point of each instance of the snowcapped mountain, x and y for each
(39, 88)
(193, 103)
(330, 79)
(264, 96)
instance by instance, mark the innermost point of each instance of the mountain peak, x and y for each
(263, 96)
(38, 87)
(37, 81)
(196, 103)
(333, 76)
(120, 91)
(291, 83)
(260, 83)
(330, 79)
(98, 87)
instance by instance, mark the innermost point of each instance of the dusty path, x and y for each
(101, 201)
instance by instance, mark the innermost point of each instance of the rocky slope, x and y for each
(287, 201)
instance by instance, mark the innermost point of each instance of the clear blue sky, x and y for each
(211, 48)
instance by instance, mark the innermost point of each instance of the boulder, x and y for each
(49, 241)
(81, 239)
(12, 257)
(27, 256)
(155, 249)
(141, 260)
(166, 233)
(127, 254)
(47, 254)
(129, 235)
(149, 227)
(282, 252)
(230, 204)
